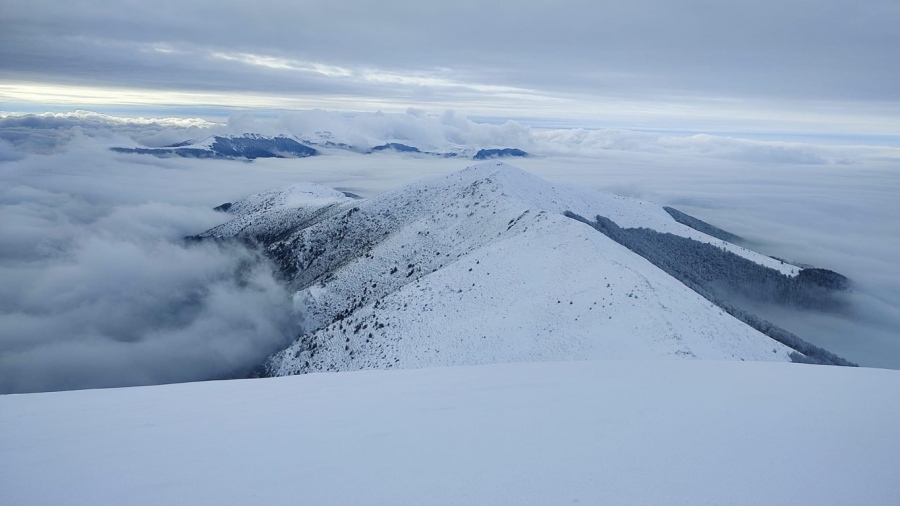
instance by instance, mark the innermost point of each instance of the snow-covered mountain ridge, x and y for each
(484, 266)
(263, 216)
(250, 146)
(229, 147)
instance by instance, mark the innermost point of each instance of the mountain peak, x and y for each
(485, 265)
(491, 168)
(246, 146)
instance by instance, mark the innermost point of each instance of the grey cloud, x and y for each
(116, 313)
(48, 132)
(7, 151)
(97, 288)
(837, 50)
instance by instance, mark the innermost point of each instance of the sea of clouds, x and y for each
(97, 287)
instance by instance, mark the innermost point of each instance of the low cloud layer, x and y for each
(44, 133)
(124, 312)
(97, 288)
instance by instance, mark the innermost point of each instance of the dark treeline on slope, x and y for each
(702, 226)
(818, 283)
(723, 272)
(718, 275)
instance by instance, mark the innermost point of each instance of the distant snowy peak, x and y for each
(247, 146)
(293, 196)
(451, 152)
(492, 264)
(252, 146)
(487, 154)
(363, 144)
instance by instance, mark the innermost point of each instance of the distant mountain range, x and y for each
(249, 147)
(491, 264)
(253, 146)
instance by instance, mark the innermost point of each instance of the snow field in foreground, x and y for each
(623, 432)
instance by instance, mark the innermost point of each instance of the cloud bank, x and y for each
(42, 133)
(97, 289)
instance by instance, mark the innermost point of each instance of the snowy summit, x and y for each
(487, 265)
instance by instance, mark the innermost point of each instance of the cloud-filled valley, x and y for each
(98, 288)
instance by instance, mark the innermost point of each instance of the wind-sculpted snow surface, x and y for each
(482, 266)
(583, 433)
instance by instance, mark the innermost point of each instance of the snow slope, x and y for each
(655, 432)
(267, 214)
(480, 267)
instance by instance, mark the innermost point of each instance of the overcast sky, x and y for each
(824, 66)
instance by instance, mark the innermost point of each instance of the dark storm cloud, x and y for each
(837, 51)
